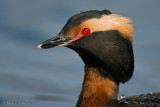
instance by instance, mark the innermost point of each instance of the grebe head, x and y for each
(102, 39)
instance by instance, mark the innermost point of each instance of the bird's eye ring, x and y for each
(85, 31)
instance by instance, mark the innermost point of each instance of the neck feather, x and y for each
(97, 90)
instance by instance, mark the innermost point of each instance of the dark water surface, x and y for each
(32, 77)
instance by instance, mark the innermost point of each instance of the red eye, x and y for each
(85, 31)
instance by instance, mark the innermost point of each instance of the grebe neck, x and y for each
(97, 90)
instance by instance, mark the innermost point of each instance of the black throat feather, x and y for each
(108, 52)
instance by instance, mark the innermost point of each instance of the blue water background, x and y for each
(53, 77)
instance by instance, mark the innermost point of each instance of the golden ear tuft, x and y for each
(111, 22)
(123, 25)
(104, 23)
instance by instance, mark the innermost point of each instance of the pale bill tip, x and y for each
(39, 46)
